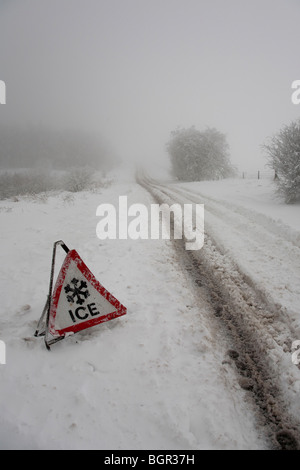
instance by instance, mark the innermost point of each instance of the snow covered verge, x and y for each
(258, 195)
(152, 379)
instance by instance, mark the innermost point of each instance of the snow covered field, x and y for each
(152, 379)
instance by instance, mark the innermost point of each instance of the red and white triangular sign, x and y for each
(79, 301)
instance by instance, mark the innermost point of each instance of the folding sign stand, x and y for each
(78, 300)
(43, 325)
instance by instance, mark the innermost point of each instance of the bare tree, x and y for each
(283, 152)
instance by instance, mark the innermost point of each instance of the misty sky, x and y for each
(134, 70)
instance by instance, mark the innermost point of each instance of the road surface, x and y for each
(250, 305)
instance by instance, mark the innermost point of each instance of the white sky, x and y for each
(134, 70)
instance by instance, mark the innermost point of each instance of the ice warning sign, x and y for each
(79, 301)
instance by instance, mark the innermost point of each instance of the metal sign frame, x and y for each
(43, 326)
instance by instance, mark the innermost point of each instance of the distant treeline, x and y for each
(52, 149)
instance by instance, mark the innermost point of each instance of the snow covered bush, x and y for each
(199, 155)
(283, 153)
(37, 183)
(78, 179)
(30, 182)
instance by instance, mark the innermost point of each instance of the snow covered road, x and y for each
(158, 378)
(247, 262)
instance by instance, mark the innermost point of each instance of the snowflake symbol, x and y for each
(77, 291)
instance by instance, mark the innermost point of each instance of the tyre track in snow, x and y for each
(258, 332)
(278, 253)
